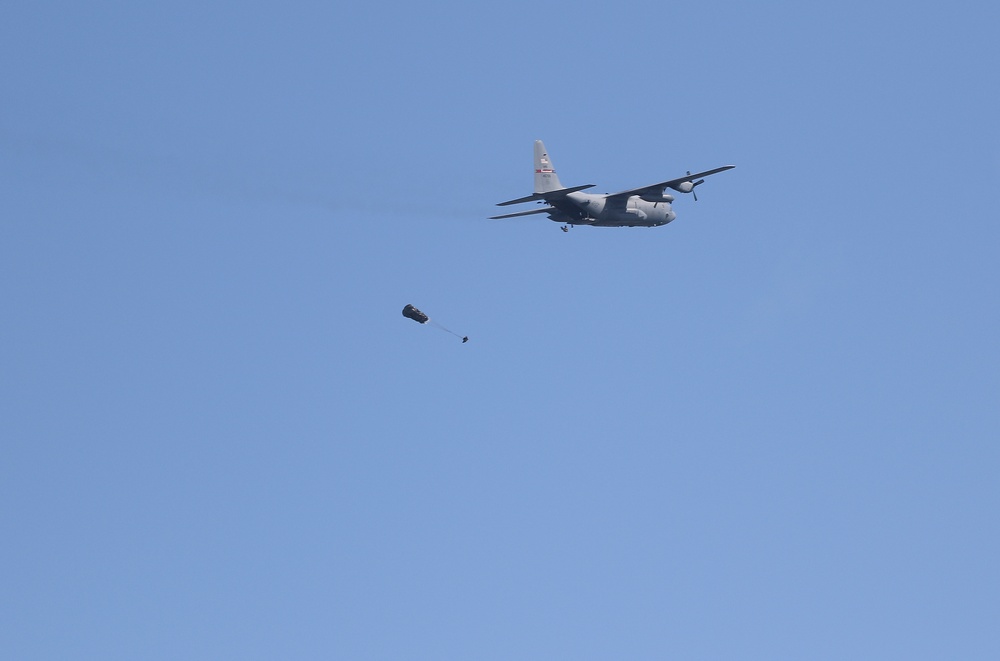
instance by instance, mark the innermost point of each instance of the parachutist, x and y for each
(416, 315)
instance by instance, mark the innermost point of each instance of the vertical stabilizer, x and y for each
(546, 179)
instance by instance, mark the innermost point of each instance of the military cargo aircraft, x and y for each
(648, 206)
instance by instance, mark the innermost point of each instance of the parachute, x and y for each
(416, 315)
(413, 313)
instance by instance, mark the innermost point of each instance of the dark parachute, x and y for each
(413, 313)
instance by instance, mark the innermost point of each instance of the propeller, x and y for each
(694, 184)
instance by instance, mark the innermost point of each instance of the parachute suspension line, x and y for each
(447, 330)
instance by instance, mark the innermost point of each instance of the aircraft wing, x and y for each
(658, 188)
(562, 192)
(525, 213)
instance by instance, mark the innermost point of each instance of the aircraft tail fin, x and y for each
(546, 179)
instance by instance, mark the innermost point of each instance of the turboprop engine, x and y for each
(689, 186)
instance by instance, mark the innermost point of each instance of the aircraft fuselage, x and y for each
(633, 211)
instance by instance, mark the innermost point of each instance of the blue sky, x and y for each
(768, 430)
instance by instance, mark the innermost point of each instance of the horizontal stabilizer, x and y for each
(525, 213)
(562, 192)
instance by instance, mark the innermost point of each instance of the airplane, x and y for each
(648, 206)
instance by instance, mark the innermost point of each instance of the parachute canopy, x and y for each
(413, 313)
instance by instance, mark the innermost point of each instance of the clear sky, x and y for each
(768, 430)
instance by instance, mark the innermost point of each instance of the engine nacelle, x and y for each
(657, 198)
(684, 187)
